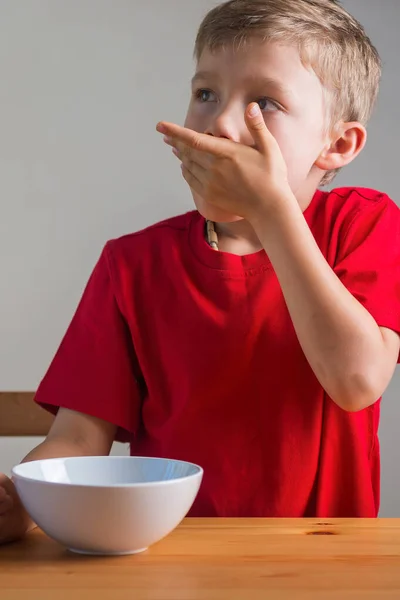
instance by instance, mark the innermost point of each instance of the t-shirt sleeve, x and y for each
(368, 261)
(94, 370)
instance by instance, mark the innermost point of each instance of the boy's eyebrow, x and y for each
(263, 81)
(273, 83)
(203, 75)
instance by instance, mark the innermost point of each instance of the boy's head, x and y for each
(311, 67)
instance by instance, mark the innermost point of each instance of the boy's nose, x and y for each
(223, 130)
(230, 127)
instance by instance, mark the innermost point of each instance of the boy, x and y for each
(255, 336)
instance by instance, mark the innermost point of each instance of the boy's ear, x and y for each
(346, 143)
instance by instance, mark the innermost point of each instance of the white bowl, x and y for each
(107, 504)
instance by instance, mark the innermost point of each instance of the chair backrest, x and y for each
(20, 416)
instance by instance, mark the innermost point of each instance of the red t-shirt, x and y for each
(193, 355)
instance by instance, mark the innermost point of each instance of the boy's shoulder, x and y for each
(166, 229)
(345, 207)
(152, 242)
(357, 199)
(350, 216)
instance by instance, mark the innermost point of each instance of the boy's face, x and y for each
(290, 95)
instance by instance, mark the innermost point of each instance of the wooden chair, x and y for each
(20, 416)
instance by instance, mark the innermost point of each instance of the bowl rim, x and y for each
(198, 473)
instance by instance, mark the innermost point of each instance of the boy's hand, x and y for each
(241, 180)
(14, 521)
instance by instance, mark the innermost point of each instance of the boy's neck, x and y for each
(237, 238)
(240, 238)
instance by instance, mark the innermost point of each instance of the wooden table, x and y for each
(219, 559)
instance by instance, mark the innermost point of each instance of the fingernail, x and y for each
(160, 128)
(167, 139)
(176, 152)
(254, 111)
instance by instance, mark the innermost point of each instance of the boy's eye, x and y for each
(267, 105)
(205, 95)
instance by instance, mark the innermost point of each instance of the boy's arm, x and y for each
(72, 434)
(352, 357)
(75, 434)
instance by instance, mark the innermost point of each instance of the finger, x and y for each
(263, 138)
(194, 169)
(180, 150)
(176, 153)
(198, 141)
(192, 181)
(6, 505)
(6, 484)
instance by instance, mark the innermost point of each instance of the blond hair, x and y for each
(330, 41)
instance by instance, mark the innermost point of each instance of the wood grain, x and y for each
(20, 416)
(219, 559)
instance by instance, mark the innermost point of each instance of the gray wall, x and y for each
(83, 83)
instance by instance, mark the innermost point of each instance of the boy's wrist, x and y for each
(274, 215)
